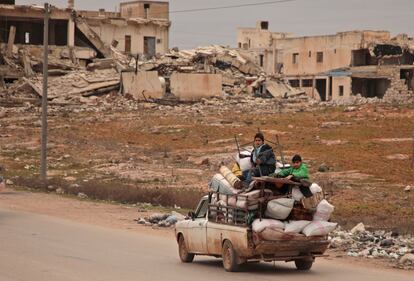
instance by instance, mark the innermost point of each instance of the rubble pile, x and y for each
(240, 74)
(161, 220)
(358, 242)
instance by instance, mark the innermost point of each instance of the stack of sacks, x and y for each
(320, 225)
(269, 229)
(249, 200)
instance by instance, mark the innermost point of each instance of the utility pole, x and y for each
(43, 156)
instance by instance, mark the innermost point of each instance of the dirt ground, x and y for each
(117, 216)
(167, 154)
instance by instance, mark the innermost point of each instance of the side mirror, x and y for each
(191, 215)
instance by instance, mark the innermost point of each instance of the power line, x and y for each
(231, 6)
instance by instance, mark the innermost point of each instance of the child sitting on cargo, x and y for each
(298, 172)
(262, 158)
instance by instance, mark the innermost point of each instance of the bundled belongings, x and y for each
(319, 228)
(219, 184)
(230, 177)
(279, 208)
(251, 200)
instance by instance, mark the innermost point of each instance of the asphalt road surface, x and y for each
(41, 248)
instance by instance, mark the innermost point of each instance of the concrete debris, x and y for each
(161, 220)
(392, 247)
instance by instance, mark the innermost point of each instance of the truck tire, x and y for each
(185, 256)
(304, 264)
(229, 256)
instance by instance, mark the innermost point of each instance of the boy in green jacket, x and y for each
(297, 172)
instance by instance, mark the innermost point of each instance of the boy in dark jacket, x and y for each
(262, 158)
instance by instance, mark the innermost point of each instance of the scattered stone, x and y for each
(387, 243)
(205, 161)
(398, 157)
(51, 188)
(359, 228)
(350, 109)
(141, 221)
(323, 168)
(9, 182)
(407, 188)
(407, 259)
(82, 195)
(60, 191)
(74, 186)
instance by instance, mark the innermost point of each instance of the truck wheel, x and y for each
(185, 256)
(229, 256)
(304, 264)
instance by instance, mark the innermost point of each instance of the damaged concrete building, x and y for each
(334, 67)
(139, 28)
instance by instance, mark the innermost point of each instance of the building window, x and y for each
(295, 58)
(240, 45)
(264, 25)
(310, 54)
(294, 83)
(307, 83)
(27, 38)
(341, 91)
(334, 51)
(261, 60)
(159, 41)
(146, 10)
(319, 57)
(250, 43)
(127, 43)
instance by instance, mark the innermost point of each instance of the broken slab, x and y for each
(191, 87)
(143, 85)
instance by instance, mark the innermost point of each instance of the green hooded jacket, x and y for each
(302, 172)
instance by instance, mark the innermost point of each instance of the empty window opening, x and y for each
(295, 58)
(294, 83)
(240, 45)
(341, 91)
(146, 10)
(261, 60)
(264, 25)
(306, 83)
(319, 57)
(334, 51)
(250, 43)
(310, 54)
(321, 88)
(370, 88)
(149, 47)
(127, 43)
(27, 38)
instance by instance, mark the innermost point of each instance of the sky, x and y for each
(300, 17)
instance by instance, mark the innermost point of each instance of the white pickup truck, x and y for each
(235, 242)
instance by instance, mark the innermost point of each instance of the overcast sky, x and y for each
(301, 17)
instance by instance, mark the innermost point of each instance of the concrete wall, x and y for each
(344, 81)
(117, 30)
(157, 10)
(143, 85)
(191, 87)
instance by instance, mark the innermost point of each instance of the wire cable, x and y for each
(231, 6)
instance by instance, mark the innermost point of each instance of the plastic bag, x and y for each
(297, 194)
(315, 188)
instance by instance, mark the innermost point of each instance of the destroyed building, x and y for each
(334, 67)
(139, 28)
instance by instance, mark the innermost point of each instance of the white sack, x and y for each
(259, 226)
(319, 228)
(296, 226)
(297, 194)
(279, 208)
(315, 188)
(244, 163)
(323, 211)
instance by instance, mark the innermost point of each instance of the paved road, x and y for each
(41, 248)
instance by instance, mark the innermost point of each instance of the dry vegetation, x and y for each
(159, 154)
